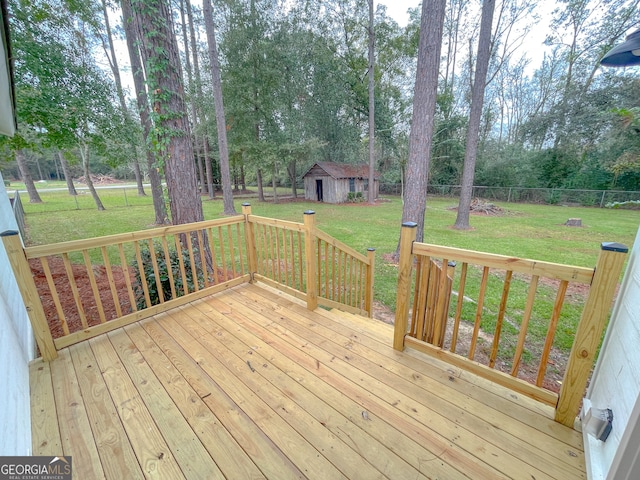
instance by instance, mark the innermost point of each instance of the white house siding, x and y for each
(17, 349)
(616, 384)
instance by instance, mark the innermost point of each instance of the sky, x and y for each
(397, 9)
(535, 48)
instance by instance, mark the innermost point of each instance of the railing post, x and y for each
(250, 240)
(30, 297)
(405, 264)
(310, 258)
(592, 323)
(368, 296)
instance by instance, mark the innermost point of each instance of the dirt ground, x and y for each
(67, 295)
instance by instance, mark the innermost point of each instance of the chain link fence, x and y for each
(549, 196)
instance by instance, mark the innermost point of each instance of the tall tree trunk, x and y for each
(199, 96)
(274, 181)
(424, 106)
(159, 206)
(194, 114)
(164, 79)
(372, 123)
(225, 174)
(243, 182)
(57, 168)
(113, 63)
(475, 114)
(260, 188)
(209, 170)
(39, 169)
(291, 168)
(67, 176)
(84, 155)
(202, 179)
(209, 164)
(34, 196)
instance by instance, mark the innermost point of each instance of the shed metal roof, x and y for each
(343, 170)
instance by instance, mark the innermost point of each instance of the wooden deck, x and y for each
(250, 384)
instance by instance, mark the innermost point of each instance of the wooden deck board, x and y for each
(116, 455)
(250, 384)
(441, 417)
(479, 417)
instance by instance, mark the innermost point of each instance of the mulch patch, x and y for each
(85, 293)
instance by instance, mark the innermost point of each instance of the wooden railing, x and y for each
(450, 317)
(18, 212)
(308, 263)
(111, 281)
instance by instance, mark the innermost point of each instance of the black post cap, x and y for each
(8, 233)
(410, 224)
(614, 247)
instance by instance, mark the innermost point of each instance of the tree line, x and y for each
(256, 91)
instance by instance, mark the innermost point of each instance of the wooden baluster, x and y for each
(352, 266)
(456, 322)
(143, 277)
(476, 326)
(183, 271)
(551, 332)
(201, 236)
(192, 262)
(442, 305)
(301, 263)
(285, 257)
(232, 253)
(109, 271)
(127, 278)
(419, 310)
(54, 294)
(325, 269)
(524, 325)
(503, 307)
(169, 266)
(223, 257)
(243, 268)
(156, 270)
(94, 285)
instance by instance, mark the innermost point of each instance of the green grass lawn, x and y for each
(529, 231)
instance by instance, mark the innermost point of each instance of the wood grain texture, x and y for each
(249, 383)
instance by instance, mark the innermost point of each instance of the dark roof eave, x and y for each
(7, 125)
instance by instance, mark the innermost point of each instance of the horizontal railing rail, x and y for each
(496, 315)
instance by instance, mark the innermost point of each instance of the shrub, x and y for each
(630, 205)
(355, 197)
(164, 270)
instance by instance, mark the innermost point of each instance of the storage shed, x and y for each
(332, 182)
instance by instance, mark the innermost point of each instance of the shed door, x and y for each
(319, 190)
